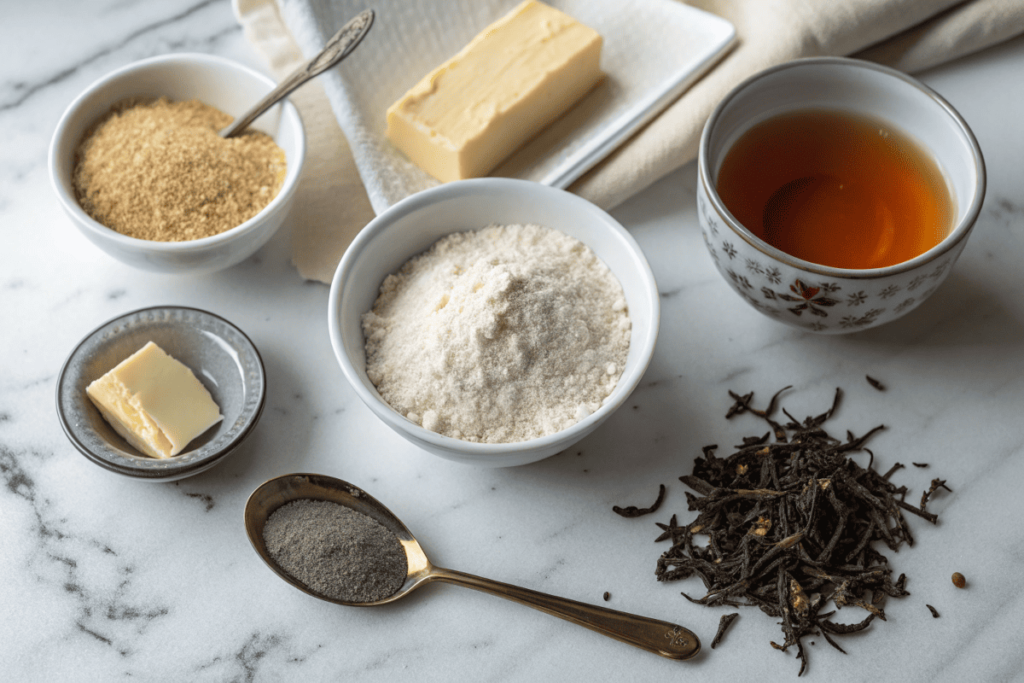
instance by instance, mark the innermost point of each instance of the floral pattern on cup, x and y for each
(804, 299)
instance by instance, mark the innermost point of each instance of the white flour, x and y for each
(498, 335)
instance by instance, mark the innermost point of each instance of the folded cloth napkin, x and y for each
(910, 35)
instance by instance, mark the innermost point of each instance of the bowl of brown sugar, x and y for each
(138, 165)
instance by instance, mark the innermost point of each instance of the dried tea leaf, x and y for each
(634, 511)
(723, 625)
(874, 382)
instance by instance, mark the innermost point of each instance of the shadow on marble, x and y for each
(258, 272)
(963, 313)
(674, 197)
(279, 444)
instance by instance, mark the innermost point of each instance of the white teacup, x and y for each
(823, 298)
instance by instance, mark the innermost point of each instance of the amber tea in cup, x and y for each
(837, 189)
(835, 195)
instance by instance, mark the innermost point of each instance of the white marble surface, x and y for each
(104, 578)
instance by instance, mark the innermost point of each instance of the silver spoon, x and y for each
(338, 47)
(660, 637)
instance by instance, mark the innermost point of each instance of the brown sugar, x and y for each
(158, 170)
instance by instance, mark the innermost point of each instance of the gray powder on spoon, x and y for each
(336, 551)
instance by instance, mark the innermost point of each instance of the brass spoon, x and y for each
(338, 47)
(660, 637)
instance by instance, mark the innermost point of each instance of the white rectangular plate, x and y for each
(653, 50)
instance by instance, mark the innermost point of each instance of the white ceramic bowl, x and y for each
(412, 225)
(820, 298)
(219, 82)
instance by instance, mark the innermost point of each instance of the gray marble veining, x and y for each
(103, 578)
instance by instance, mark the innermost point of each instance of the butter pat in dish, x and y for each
(154, 402)
(512, 80)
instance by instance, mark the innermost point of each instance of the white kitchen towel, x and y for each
(333, 203)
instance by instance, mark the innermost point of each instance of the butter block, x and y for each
(154, 402)
(513, 79)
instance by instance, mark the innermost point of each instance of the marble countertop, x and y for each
(106, 578)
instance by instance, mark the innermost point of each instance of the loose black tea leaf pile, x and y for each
(790, 525)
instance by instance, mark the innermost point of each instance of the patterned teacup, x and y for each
(821, 298)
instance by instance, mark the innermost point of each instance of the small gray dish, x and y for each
(222, 357)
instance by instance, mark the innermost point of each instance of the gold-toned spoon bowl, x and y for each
(660, 637)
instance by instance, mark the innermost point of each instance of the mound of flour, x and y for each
(498, 335)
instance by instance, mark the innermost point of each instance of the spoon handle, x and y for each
(660, 637)
(337, 48)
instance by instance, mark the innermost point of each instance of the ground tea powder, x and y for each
(498, 335)
(158, 170)
(336, 551)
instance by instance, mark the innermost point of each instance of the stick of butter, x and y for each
(516, 77)
(154, 402)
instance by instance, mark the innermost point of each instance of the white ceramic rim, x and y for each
(958, 233)
(413, 203)
(71, 204)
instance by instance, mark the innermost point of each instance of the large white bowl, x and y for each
(412, 225)
(219, 82)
